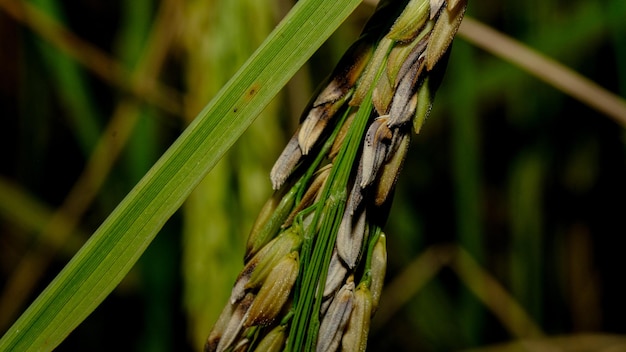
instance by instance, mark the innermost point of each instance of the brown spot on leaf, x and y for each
(252, 91)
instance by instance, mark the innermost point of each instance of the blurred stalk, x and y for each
(544, 68)
(91, 57)
(526, 218)
(504, 306)
(581, 279)
(467, 177)
(219, 36)
(71, 85)
(32, 216)
(413, 278)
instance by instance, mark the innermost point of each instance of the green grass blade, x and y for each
(114, 248)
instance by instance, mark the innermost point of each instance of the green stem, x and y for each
(332, 203)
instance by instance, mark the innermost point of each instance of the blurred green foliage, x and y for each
(528, 181)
